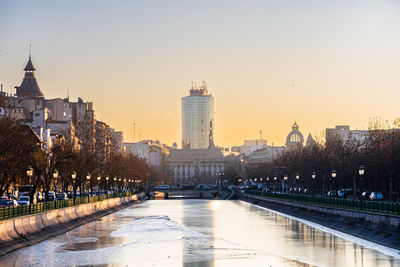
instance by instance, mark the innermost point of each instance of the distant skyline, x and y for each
(267, 63)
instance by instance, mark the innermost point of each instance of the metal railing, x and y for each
(11, 212)
(362, 205)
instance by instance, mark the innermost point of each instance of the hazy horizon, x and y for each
(267, 63)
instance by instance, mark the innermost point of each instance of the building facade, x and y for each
(344, 133)
(189, 166)
(198, 121)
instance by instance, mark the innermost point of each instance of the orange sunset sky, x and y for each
(268, 63)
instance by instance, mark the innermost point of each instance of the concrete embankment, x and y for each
(383, 229)
(30, 229)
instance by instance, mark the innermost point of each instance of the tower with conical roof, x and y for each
(29, 87)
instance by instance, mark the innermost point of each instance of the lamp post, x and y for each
(29, 173)
(313, 176)
(73, 176)
(298, 183)
(361, 171)
(98, 187)
(285, 180)
(87, 182)
(334, 181)
(55, 176)
(88, 185)
(107, 178)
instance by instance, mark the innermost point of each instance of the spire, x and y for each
(29, 66)
(29, 86)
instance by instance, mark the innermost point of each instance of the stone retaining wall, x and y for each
(30, 229)
(376, 218)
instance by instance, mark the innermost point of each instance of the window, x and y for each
(65, 114)
(37, 114)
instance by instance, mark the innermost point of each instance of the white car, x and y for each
(23, 200)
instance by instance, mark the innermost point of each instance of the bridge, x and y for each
(185, 194)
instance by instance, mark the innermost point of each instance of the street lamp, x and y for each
(88, 183)
(297, 176)
(334, 180)
(361, 171)
(55, 176)
(73, 176)
(313, 176)
(29, 172)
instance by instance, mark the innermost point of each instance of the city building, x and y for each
(265, 155)
(138, 149)
(53, 118)
(198, 121)
(117, 138)
(344, 133)
(295, 137)
(153, 152)
(250, 146)
(189, 166)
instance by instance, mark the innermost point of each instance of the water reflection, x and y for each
(199, 233)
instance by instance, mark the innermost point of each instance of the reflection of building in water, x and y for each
(198, 249)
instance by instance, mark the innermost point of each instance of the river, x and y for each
(201, 233)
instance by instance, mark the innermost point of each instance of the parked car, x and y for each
(61, 196)
(4, 198)
(23, 200)
(161, 187)
(341, 193)
(202, 187)
(5, 203)
(376, 196)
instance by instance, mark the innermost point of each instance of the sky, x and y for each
(267, 63)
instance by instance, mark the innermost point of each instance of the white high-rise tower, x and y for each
(198, 122)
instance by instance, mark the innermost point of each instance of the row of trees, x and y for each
(370, 165)
(69, 163)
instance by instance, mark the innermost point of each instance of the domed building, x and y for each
(295, 137)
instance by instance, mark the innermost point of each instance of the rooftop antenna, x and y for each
(68, 94)
(260, 134)
(30, 51)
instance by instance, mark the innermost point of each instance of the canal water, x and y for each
(201, 233)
